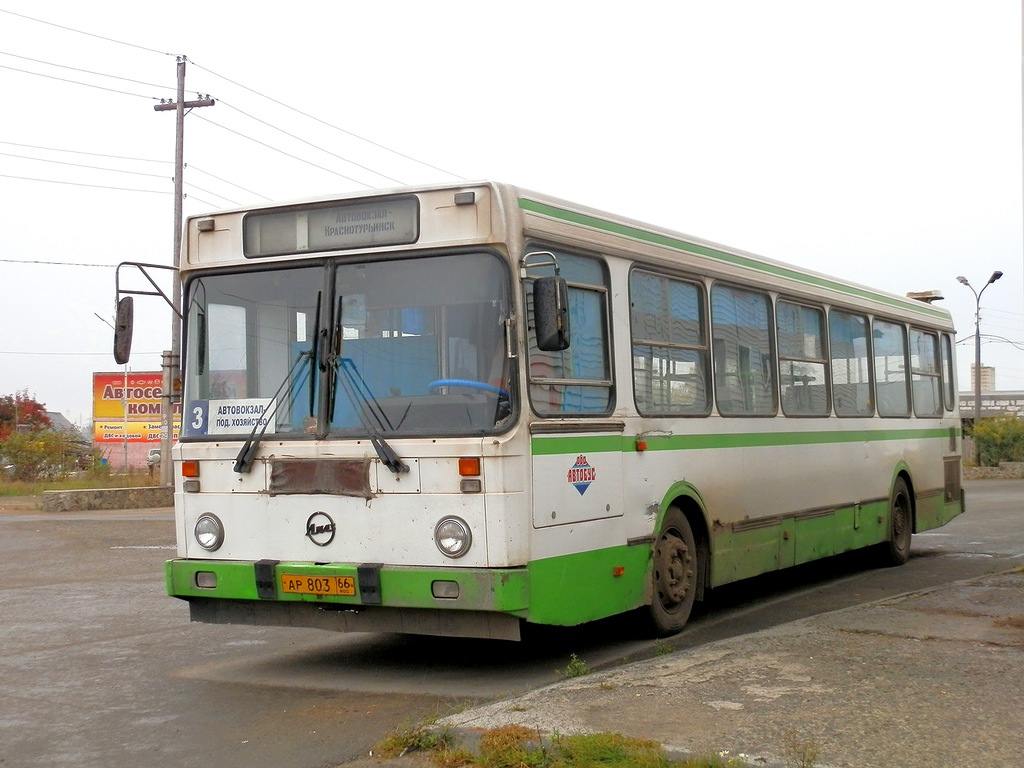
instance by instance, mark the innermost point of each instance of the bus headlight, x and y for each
(452, 537)
(209, 532)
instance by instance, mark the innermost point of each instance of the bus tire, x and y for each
(896, 551)
(673, 574)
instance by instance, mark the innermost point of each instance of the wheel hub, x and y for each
(673, 564)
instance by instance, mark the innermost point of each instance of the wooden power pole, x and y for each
(171, 363)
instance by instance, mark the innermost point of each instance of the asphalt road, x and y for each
(99, 667)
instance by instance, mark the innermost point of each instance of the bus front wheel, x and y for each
(674, 574)
(896, 551)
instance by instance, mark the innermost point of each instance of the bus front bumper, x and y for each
(340, 586)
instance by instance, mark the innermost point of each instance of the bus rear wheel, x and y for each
(896, 551)
(674, 574)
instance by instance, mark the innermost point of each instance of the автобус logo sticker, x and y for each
(581, 475)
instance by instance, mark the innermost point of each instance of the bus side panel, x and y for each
(740, 554)
(861, 525)
(572, 589)
(814, 537)
(933, 511)
(750, 549)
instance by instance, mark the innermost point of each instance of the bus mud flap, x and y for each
(369, 584)
(266, 584)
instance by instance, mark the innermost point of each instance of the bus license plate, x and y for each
(318, 585)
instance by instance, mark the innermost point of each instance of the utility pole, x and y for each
(171, 361)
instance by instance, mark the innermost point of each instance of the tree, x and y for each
(20, 409)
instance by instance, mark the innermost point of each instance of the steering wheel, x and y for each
(469, 384)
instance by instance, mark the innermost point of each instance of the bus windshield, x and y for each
(399, 348)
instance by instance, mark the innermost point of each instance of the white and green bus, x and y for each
(451, 410)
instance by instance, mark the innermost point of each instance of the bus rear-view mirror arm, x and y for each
(126, 307)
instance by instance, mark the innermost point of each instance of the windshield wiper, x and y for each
(244, 460)
(312, 355)
(359, 395)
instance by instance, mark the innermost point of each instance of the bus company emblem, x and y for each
(581, 475)
(320, 529)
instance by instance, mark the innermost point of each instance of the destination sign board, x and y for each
(313, 229)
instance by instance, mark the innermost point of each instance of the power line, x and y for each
(80, 152)
(233, 82)
(282, 152)
(1016, 344)
(58, 263)
(79, 82)
(311, 144)
(211, 192)
(218, 178)
(87, 34)
(330, 125)
(81, 165)
(207, 203)
(988, 338)
(81, 184)
(85, 71)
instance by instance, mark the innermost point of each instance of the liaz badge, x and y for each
(581, 475)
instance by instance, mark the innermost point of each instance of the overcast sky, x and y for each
(877, 140)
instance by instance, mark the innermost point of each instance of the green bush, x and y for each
(999, 439)
(38, 456)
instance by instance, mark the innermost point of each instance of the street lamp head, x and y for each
(962, 280)
(995, 276)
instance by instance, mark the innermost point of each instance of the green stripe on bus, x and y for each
(550, 446)
(668, 241)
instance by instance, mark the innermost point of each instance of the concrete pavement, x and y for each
(930, 678)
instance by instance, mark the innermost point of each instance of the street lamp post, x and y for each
(977, 351)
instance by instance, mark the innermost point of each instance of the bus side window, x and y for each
(803, 369)
(669, 346)
(851, 371)
(741, 340)
(925, 374)
(577, 379)
(948, 379)
(891, 374)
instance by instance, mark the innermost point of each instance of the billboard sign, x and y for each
(127, 407)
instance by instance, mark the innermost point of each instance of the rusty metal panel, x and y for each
(336, 477)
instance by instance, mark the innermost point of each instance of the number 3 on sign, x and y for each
(197, 417)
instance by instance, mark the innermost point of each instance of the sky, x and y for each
(878, 141)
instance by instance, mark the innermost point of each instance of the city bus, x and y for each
(464, 409)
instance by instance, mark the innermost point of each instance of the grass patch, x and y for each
(89, 479)
(800, 752)
(416, 738)
(661, 648)
(608, 750)
(576, 667)
(514, 746)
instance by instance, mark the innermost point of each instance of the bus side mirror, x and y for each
(551, 313)
(123, 324)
